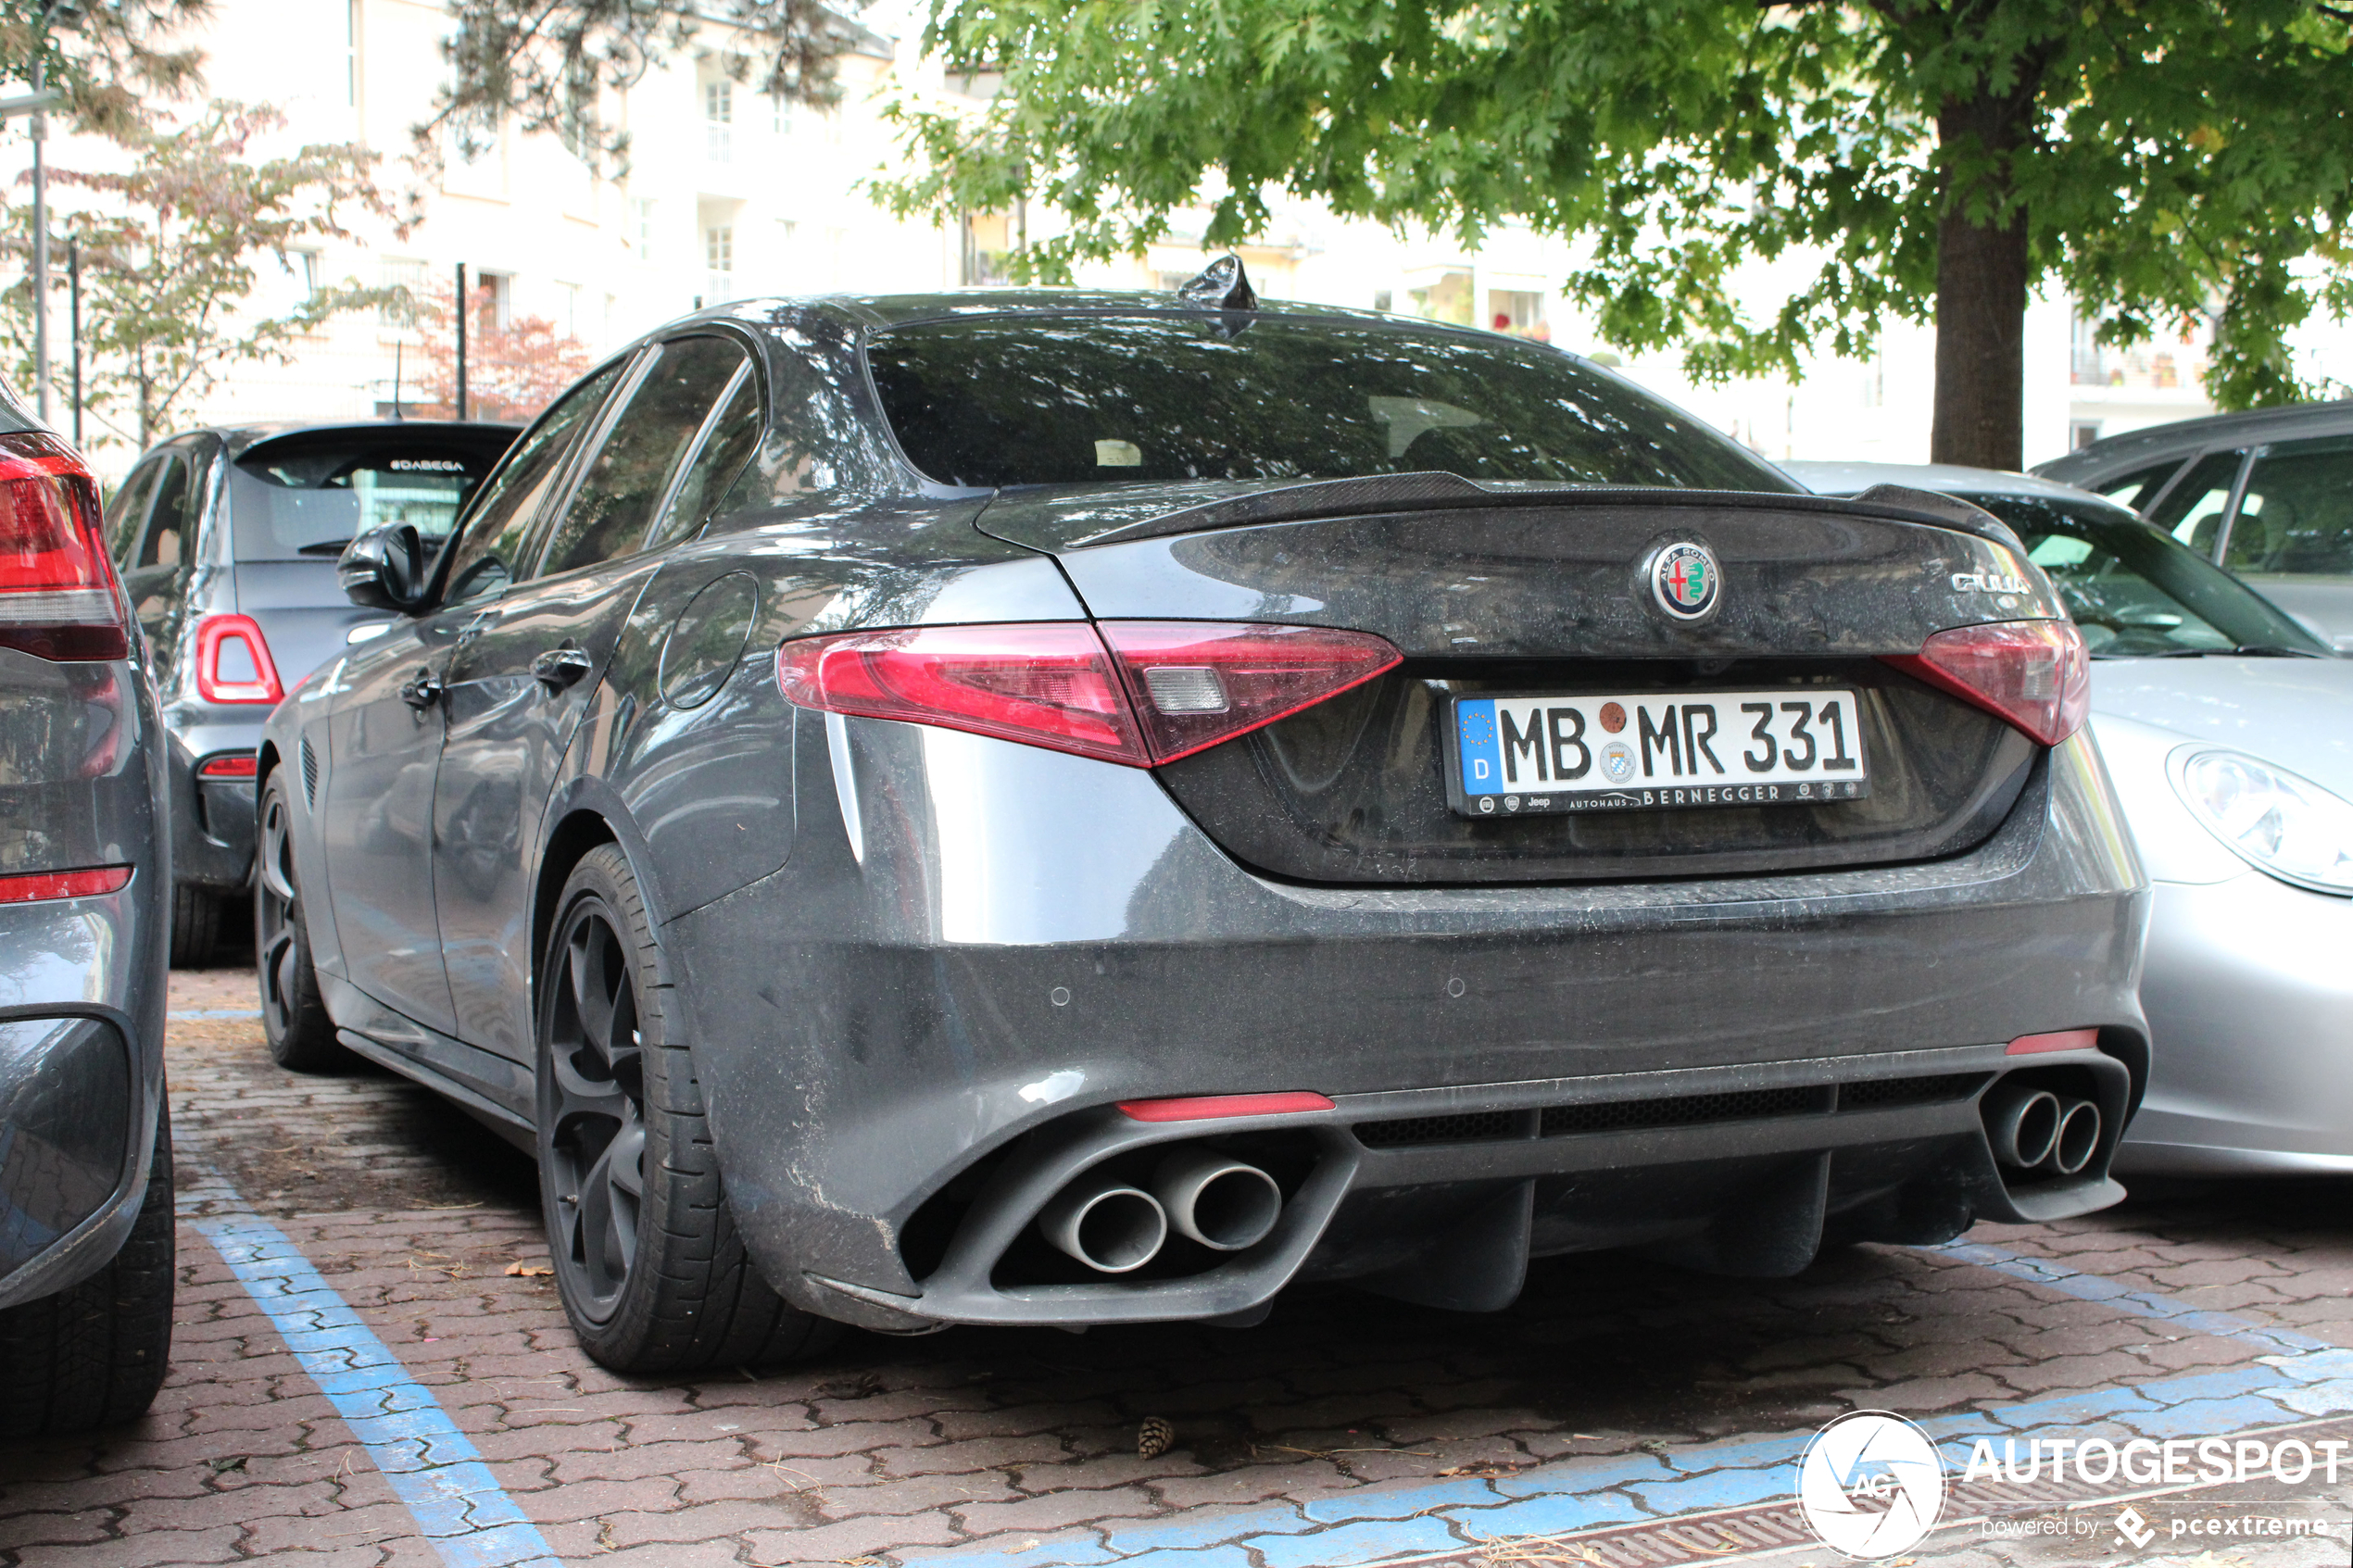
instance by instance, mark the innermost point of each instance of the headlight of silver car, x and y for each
(2286, 825)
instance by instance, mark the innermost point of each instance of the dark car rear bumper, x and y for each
(979, 948)
(212, 819)
(82, 1015)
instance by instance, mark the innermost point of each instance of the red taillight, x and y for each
(2037, 674)
(1158, 691)
(235, 765)
(1195, 685)
(1215, 1108)
(37, 885)
(1050, 684)
(233, 661)
(57, 594)
(2064, 1040)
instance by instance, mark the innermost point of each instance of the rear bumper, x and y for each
(977, 948)
(212, 819)
(82, 1006)
(2250, 1007)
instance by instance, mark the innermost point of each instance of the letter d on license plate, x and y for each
(1546, 754)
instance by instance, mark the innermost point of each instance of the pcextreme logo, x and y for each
(1870, 1485)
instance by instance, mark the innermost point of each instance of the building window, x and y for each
(408, 278)
(641, 227)
(2083, 433)
(781, 108)
(494, 302)
(719, 261)
(1517, 311)
(718, 121)
(305, 264)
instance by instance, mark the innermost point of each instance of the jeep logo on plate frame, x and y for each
(1685, 580)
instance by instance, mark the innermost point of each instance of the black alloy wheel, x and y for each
(594, 1109)
(653, 1273)
(293, 1018)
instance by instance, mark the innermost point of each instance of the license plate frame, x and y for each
(1838, 768)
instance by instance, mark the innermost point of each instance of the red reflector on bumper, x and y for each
(38, 886)
(2064, 1040)
(1209, 1108)
(231, 767)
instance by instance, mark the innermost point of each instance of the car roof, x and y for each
(1954, 479)
(2120, 454)
(883, 311)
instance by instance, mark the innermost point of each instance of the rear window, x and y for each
(995, 401)
(297, 497)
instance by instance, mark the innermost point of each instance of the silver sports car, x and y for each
(2229, 729)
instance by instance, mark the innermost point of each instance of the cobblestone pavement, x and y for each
(371, 1368)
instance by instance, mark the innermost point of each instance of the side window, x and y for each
(490, 550)
(169, 536)
(613, 509)
(128, 510)
(2140, 487)
(2192, 511)
(2298, 516)
(728, 437)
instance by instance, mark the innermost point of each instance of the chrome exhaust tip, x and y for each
(2078, 1137)
(1107, 1225)
(1224, 1204)
(2023, 1125)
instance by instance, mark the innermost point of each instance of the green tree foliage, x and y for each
(542, 63)
(111, 58)
(172, 250)
(2163, 161)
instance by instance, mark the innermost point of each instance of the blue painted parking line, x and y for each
(2298, 1379)
(2068, 1281)
(432, 1468)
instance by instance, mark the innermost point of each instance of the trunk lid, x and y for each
(1520, 588)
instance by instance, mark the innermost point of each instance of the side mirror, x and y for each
(383, 568)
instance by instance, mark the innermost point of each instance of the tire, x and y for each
(293, 1020)
(195, 927)
(95, 1355)
(652, 1271)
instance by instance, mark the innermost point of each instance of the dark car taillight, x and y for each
(58, 597)
(233, 661)
(2037, 674)
(1139, 692)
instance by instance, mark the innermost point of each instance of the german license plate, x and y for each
(1523, 754)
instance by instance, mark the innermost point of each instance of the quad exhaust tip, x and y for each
(2033, 1129)
(1106, 1224)
(1224, 1204)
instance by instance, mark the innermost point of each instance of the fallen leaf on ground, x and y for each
(522, 1269)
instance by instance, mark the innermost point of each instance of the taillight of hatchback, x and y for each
(233, 663)
(58, 597)
(1135, 692)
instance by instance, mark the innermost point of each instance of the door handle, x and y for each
(560, 667)
(422, 690)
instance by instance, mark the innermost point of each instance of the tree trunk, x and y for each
(1980, 292)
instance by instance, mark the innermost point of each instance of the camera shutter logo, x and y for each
(1870, 1485)
(1685, 580)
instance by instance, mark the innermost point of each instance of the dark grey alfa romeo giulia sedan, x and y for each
(1061, 808)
